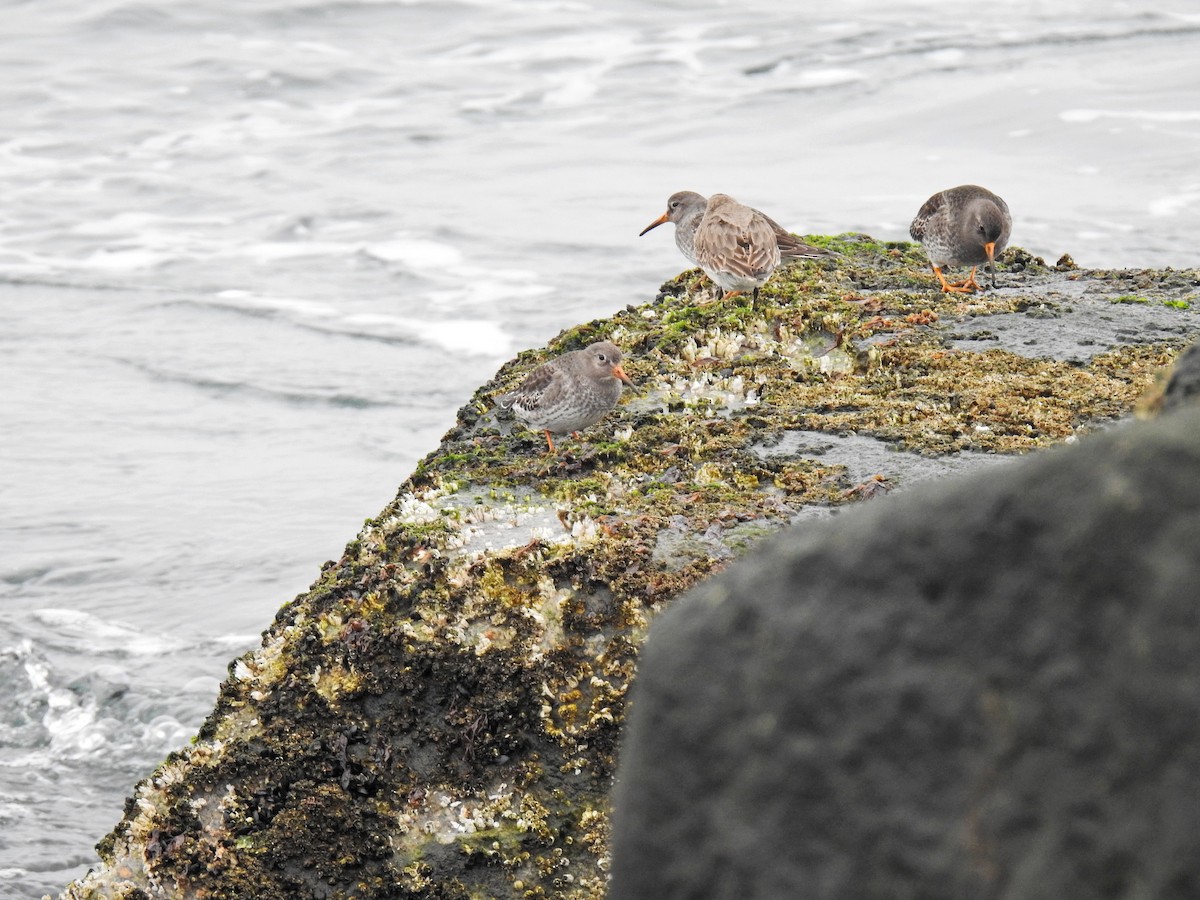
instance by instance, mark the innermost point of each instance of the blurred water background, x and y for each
(255, 254)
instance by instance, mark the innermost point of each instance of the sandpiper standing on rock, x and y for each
(963, 226)
(736, 246)
(569, 392)
(686, 209)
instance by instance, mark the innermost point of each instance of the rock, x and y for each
(438, 716)
(1184, 385)
(985, 687)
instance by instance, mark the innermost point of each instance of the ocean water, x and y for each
(254, 255)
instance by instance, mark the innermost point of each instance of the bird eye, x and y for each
(601, 357)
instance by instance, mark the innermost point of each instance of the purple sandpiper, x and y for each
(686, 208)
(736, 246)
(963, 226)
(569, 392)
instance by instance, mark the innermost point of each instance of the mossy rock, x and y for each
(439, 716)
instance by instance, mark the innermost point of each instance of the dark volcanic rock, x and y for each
(987, 688)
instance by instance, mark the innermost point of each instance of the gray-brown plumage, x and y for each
(963, 226)
(686, 208)
(569, 392)
(736, 246)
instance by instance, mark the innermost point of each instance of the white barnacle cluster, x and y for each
(715, 345)
(415, 511)
(262, 666)
(584, 529)
(710, 391)
(712, 388)
(516, 523)
(242, 670)
(436, 512)
(445, 816)
(422, 507)
(149, 797)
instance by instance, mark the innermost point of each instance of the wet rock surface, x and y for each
(979, 689)
(439, 715)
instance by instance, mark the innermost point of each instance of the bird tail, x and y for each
(794, 248)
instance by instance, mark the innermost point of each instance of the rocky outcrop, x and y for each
(984, 688)
(439, 715)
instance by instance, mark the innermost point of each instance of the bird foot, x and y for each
(962, 287)
(967, 286)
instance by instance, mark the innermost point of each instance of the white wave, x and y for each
(271, 251)
(1180, 201)
(127, 260)
(814, 78)
(607, 47)
(97, 635)
(946, 56)
(241, 299)
(487, 290)
(473, 337)
(86, 716)
(572, 91)
(70, 721)
(490, 103)
(320, 47)
(129, 223)
(828, 77)
(416, 253)
(1163, 115)
(235, 640)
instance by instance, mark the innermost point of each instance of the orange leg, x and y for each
(550, 442)
(960, 287)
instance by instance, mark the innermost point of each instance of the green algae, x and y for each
(439, 716)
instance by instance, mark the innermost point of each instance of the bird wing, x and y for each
(927, 211)
(540, 387)
(745, 249)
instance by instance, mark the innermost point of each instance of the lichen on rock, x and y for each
(438, 716)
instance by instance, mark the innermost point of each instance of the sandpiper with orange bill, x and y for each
(964, 226)
(686, 208)
(570, 392)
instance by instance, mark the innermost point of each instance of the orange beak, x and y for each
(663, 218)
(619, 373)
(990, 247)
